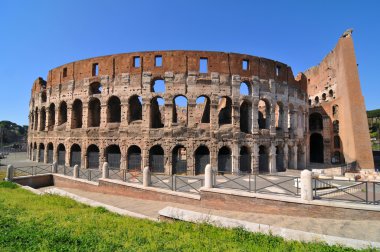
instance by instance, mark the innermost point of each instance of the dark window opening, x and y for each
(136, 61)
(280, 159)
(203, 109)
(94, 113)
(77, 113)
(225, 110)
(331, 93)
(41, 154)
(203, 65)
(263, 159)
(335, 110)
(51, 122)
(309, 102)
(316, 148)
(156, 159)
(245, 117)
(224, 160)
(50, 153)
(95, 88)
(324, 96)
(134, 158)
(61, 154)
(336, 159)
(62, 116)
(245, 65)
(316, 100)
(75, 155)
(113, 156)
(114, 110)
(43, 119)
(245, 160)
(157, 114)
(95, 69)
(336, 142)
(43, 96)
(202, 158)
(179, 160)
(135, 109)
(93, 157)
(180, 110)
(158, 61)
(315, 122)
(336, 126)
(64, 74)
(278, 69)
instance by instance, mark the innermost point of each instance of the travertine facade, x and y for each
(173, 111)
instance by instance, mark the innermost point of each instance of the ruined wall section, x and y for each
(334, 86)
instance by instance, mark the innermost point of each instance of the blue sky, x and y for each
(36, 36)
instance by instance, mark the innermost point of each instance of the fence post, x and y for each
(106, 172)
(174, 186)
(306, 185)
(54, 167)
(10, 173)
(208, 177)
(76, 171)
(146, 177)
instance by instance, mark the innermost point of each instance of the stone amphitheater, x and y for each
(174, 111)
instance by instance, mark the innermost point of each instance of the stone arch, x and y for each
(62, 115)
(95, 88)
(157, 159)
(245, 159)
(179, 159)
(51, 121)
(331, 93)
(279, 115)
(113, 156)
(202, 158)
(245, 88)
(114, 110)
(76, 114)
(50, 152)
(75, 155)
(41, 154)
(36, 119)
(315, 122)
(43, 119)
(93, 156)
(134, 158)
(180, 109)
(263, 114)
(316, 148)
(263, 159)
(135, 108)
(246, 117)
(94, 110)
(157, 113)
(224, 160)
(61, 154)
(280, 167)
(202, 109)
(225, 110)
(324, 96)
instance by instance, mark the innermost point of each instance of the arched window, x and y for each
(264, 114)
(62, 116)
(202, 109)
(114, 110)
(179, 160)
(224, 160)
(94, 113)
(93, 156)
(61, 154)
(50, 153)
(157, 113)
(225, 110)
(134, 158)
(316, 100)
(135, 108)
(76, 114)
(75, 155)
(331, 93)
(245, 88)
(245, 160)
(43, 119)
(336, 142)
(245, 117)
(202, 158)
(41, 153)
(156, 159)
(113, 156)
(280, 159)
(43, 96)
(279, 115)
(315, 122)
(95, 88)
(263, 159)
(36, 119)
(180, 110)
(51, 122)
(158, 86)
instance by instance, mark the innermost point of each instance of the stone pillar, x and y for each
(286, 156)
(69, 114)
(255, 159)
(255, 113)
(55, 153)
(145, 114)
(208, 177)
(272, 159)
(67, 157)
(272, 119)
(38, 154)
(124, 112)
(123, 162)
(191, 105)
(46, 154)
(10, 173)
(105, 171)
(146, 177)
(306, 185)
(76, 171)
(85, 113)
(294, 159)
(214, 119)
(47, 118)
(54, 167)
(103, 115)
(285, 119)
(235, 157)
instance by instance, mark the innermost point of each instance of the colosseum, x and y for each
(176, 111)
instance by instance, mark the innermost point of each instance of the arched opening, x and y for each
(245, 117)
(51, 121)
(93, 156)
(180, 110)
(336, 159)
(135, 108)
(158, 86)
(156, 159)
(43, 119)
(245, 160)
(202, 158)
(316, 100)
(290, 157)
(315, 122)
(179, 160)
(114, 110)
(316, 148)
(75, 155)
(76, 115)
(95, 88)
(202, 109)
(279, 115)
(331, 93)
(43, 96)
(245, 88)
(41, 152)
(335, 110)
(224, 160)
(134, 158)
(36, 119)
(50, 153)
(61, 154)
(113, 156)
(264, 114)
(157, 114)
(280, 159)
(225, 110)
(94, 113)
(337, 142)
(324, 97)
(62, 116)
(35, 152)
(336, 126)
(31, 120)
(263, 159)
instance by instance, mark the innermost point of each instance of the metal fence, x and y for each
(32, 170)
(90, 174)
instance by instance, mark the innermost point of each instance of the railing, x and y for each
(267, 184)
(133, 176)
(364, 192)
(90, 174)
(32, 170)
(62, 169)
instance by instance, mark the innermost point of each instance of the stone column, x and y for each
(285, 119)
(46, 155)
(255, 159)
(124, 112)
(145, 114)
(191, 105)
(235, 157)
(69, 114)
(255, 113)
(76, 171)
(85, 115)
(208, 177)
(146, 177)
(38, 154)
(55, 153)
(294, 159)
(67, 156)
(214, 119)
(286, 156)
(103, 115)
(47, 118)
(272, 159)
(272, 119)
(306, 185)
(10, 173)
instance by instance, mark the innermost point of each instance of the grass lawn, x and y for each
(30, 222)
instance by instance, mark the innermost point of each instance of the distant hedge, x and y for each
(373, 113)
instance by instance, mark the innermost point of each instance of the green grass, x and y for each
(30, 222)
